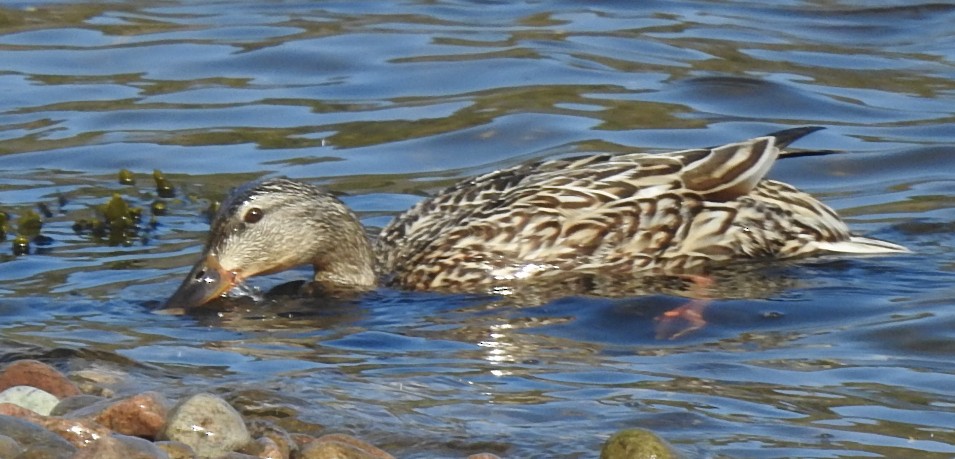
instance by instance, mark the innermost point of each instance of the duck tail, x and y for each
(788, 136)
(859, 245)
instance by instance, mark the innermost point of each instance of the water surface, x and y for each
(386, 102)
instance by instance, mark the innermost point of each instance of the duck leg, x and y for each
(688, 318)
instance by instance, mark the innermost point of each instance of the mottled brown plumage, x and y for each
(633, 214)
(665, 213)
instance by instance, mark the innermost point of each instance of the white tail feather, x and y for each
(862, 246)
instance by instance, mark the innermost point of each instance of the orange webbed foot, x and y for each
(688, 318)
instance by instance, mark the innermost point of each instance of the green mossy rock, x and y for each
(126, 177)
(29, 224)
(21, 245)
(4, 225)
(636, 444)
(163, 188)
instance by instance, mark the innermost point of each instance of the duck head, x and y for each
(272, 225)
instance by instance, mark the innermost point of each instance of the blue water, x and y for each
(389, 101)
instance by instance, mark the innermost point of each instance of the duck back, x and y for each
(639, 213)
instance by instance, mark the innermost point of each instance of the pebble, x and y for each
(176, 449)
(121, 447)
(264, 447)
(70, 404)
(37, 374)
(140, 415)
(9, 409)
(636, 444)
(9, 447)
(37, 400)
(97, 381)
(79, 432)
(340, 446)
(44, 452)
(208, 424)
(262, 428)
(32, 436)
(58, 422)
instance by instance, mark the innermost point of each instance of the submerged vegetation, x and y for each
(117, 222)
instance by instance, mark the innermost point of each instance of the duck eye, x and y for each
(253, 215)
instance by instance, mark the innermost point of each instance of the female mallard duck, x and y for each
(645, 214)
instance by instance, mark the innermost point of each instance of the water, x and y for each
(388, 101)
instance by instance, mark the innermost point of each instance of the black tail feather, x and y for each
(788, 136)
(802, 153)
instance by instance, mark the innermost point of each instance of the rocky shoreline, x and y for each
(44, 414)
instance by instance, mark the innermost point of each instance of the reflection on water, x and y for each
(388, 101)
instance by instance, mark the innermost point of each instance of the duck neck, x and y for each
(348, 262)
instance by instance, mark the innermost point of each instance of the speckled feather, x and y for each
(666, 213)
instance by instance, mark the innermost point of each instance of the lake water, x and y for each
(386, 102)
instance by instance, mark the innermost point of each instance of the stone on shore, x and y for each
(340, 446)
(37, 374)
(17, 411)
(264, 447)
(636, 444)
(141, 415)
(79, 432)
(176, 449)
(71, 404)
(209, 425)
(118, 446)
(37, 400)
(283, 440)
(31, 436)
(9, 447)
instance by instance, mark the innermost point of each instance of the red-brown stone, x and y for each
(79, 432)
(17, 411)
(341, 446)
(120, 447)
(141, 415)
(37, 374)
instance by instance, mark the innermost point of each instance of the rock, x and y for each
(484, 456)
(37, 400)
(207, 424)
(17, 411)
(301, 440)
(176, 449)
(9, 447)
(340, 446)
(264, 448)
(121, 447)
(37, 374)
(98, 381)
(261, 428)
(636, 444)
(140, 415)
(44, 452)
(32, 436)
(79, 432)
(234, 455)
(70, 404)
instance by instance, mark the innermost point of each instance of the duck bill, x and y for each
(206, 282)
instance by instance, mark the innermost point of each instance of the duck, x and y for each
(618, 215)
